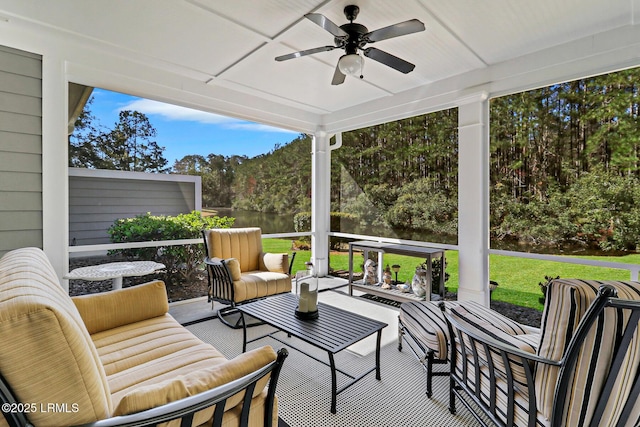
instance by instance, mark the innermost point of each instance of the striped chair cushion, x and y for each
(476, 317)
(567, 302)
(426, 323)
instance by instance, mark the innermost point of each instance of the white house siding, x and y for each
(20, 149)
(98, 197)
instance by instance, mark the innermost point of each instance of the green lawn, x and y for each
(518, 278)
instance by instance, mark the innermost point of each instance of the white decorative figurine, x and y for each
(370, 272)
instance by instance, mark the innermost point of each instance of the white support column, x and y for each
(320, 201)
(55, 204)
(473, 199)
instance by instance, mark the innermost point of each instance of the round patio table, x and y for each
(114, 271)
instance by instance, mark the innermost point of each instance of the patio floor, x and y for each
(399, 399)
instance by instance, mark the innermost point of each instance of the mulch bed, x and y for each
(175, 291)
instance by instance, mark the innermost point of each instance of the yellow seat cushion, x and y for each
(258, 284)
(149, 352)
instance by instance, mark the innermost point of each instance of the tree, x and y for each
(82, 151)
(128, 146)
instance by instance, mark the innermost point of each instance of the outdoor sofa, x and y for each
(107, 359)
(581, 368)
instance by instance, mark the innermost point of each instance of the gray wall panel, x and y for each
(20, 150)
(20, 162)
(20, 62)
(20, 142)
(20, 123)
(26, 181)
(10, 240)
(95, 201)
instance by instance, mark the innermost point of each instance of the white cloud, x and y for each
(256, 127)
(176, 112)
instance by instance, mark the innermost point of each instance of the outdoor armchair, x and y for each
(583, 372)
(239, 271)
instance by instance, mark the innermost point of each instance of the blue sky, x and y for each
(183, 131)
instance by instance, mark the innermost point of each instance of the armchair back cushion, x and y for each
(243, 244)
(36, 313)
(567, 302)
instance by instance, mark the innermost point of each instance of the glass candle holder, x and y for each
(307, 293)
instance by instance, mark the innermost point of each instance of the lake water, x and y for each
(269, 222)
(276, 223)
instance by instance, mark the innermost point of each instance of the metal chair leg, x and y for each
(225, 312)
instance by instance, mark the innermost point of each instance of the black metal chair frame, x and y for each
(221, 288)
(424, 355)
(183, 409)
(459, 387)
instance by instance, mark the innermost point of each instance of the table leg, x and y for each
(116, 283)
(429, 277)
(443, 263)
(378, 340)
(334, 386)
(244, 333)
(350, 270)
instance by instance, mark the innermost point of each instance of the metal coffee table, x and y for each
(333, 331)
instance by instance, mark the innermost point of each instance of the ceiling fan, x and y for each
(353, 37)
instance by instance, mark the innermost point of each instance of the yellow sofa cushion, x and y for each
(47, 355)
(109, 310)
(179, 387)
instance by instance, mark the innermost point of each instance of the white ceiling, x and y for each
(219, 55)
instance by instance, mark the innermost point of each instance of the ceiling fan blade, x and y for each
(328, 25)
(400, 29)
(389, 60)
(338, 77)
(304, 53)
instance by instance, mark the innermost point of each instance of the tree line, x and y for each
(564, 169)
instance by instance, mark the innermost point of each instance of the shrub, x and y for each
(604, 208)
(182, 261)
(302, 222)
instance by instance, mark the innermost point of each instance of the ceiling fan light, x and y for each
(351, 64)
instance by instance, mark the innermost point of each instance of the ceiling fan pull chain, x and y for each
(361, 69)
